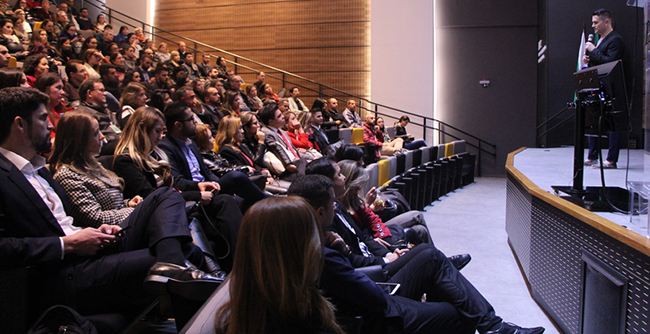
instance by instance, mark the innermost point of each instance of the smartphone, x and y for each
(390, 288)
(122, 232)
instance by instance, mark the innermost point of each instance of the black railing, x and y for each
(428, 124)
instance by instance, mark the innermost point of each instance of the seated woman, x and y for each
(35, 66)
(298, 137)
(117, 59)
(52, 85)
(162, 55)
(273, 286)
(228, 142)
(391, 234)
(96, 198)
(409, 142)
(230, 104)
(267, 93)
(63, 48)
(222, 68)
(253, 143)
(133, 97)
(70, 31)
(256, 103)
(390, 146)
(92, 58)
(9, 39)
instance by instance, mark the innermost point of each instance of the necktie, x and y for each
(295, 154)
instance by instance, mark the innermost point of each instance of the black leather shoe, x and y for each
(188, 281)
(460, 261)
(510, 328)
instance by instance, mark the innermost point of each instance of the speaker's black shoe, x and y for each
(510, 328)
(189, 282)
(460, 261)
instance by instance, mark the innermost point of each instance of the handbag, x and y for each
(62, 319)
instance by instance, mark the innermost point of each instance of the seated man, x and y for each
(77, 73)
(210, 113)
(93, 102)
(204, 66)
(192, 69)
(234, 83)
(452, 304)
(278, 143)
(351, 116)
(144, 68)
(295, 103)
(333, 116)
(381, 148)
(316, 134)
(94, 270)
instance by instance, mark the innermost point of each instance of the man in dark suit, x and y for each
(191, 174)
(453, 304)
(204, 66)
(279, 143)
(91, 269)
(610, 48)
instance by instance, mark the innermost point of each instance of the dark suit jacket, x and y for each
(181, 168)
(356, 256)
(611, 48)
(278, 146)
(204, 69)
(235, 158)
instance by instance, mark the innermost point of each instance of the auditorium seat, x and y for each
(417, 157)
(12, 62)
(441, 152)
(400, 163)
(391, 131)
(373, 176)
(460, 146)
(433, 153)
(392, 167)
(424, 154)
(345, 135)
(449, 150)
(408, 164)
(357, 136)
(383, 171)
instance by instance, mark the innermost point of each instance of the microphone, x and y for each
(590, 39)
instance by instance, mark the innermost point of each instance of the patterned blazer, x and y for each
(94, 201)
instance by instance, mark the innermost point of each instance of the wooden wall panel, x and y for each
(327, 41)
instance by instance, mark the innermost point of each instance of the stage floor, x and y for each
(547, 167)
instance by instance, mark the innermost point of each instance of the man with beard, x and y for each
(93, 102)
(90, 269)
(108, 75)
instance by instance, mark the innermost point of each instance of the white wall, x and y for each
(138, 9)
(402, 57)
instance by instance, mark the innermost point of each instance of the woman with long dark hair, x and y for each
(274, 282)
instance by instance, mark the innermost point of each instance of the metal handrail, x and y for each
(372, 106)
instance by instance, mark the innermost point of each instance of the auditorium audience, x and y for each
(228, 143)
(188, 169)
(331, 114)
(108, 266)
(373, 136)
(42, 12)
(222, 68)
(280, 292)
(452, 304)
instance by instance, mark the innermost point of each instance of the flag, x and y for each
(581, 53)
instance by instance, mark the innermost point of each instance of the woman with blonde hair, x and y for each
(390, 234)
(138, 160)
(228, 143)
(133, 97)
(274, 282)
(96, 200)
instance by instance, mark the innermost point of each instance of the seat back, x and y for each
(357, 136)
(401, 163)
(37, 25)
(460, 146)
(373, 176)
(441, 151)
(203, 321)
(449, 150)
(346, 135)
(391, 131)
(424, 155)
(12, 62)
(417, 157)
(408, 164)
(392, 167)
(383, 171)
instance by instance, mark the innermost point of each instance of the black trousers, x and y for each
(220, 221)
(425, 269)
(238, 183)
(112, 279)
